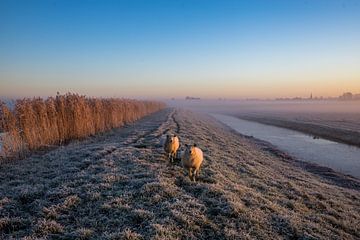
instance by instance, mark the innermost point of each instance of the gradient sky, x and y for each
(210, 49)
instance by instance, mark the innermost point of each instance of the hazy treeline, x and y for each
(37, 122)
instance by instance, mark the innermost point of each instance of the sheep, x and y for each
(192, 160)
(171, 146)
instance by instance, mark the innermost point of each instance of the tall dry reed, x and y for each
(36, 123)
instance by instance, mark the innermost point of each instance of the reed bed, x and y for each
(37, 123)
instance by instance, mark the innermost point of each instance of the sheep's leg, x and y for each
(190, 174)
(197, 172)
(169, 156)
(195, 175)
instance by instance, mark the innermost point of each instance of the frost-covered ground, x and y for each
(119, 185)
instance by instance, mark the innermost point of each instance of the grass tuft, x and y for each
(45, 227)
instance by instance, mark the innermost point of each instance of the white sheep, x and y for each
(171, 146)
(192, 160)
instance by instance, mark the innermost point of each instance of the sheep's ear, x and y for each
(175, 135)
(195, 145)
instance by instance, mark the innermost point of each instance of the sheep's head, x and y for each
(190, 149)
(170, 138)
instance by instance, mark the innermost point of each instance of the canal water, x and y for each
(338, 156)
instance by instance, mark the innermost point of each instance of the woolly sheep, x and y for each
(192, 160)
(171, 146)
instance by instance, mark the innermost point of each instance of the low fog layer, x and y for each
(258, 107)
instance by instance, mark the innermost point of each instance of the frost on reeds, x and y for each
(36, 123)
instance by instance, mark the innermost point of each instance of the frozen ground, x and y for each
(119, 185)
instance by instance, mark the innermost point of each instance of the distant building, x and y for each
(346, 96)
(192, 98)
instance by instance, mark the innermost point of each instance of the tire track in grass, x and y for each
(145, 140)
(176, 122)
(154, 126)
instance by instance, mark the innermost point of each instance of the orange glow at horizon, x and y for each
(234, 89)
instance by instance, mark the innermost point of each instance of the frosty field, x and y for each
(119, 185)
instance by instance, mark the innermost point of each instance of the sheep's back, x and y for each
(175, 144)
(198, 157)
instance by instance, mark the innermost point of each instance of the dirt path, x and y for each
(120, 185)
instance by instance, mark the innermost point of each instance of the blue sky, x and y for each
(160, 49)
